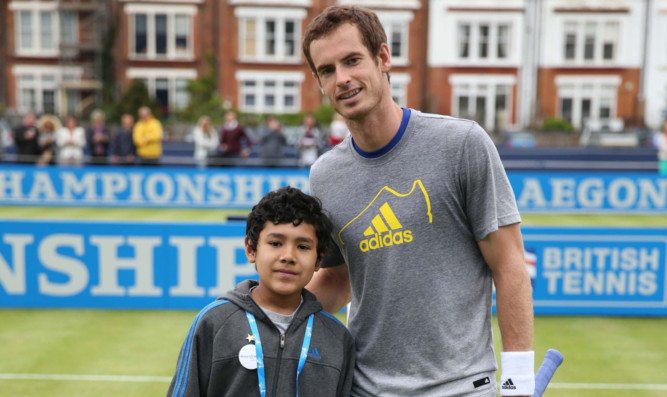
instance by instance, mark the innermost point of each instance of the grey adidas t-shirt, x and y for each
(407, 224)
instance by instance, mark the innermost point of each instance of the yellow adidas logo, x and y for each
(385, 231)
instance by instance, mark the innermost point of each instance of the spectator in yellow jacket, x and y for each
(147, 136)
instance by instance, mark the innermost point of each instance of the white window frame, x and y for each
(397, 21)
(507, 43)
(399, 88)
(662, 32)
(576, 87)
(580, 28)
(260, 90)
(36, 47)
(48, 35)
(38, 72)
(475, 85)
(463, 39)
(151, 10)
(151, 75)
(261, 15)
(272, 3)
(474, 40)
(570, 28)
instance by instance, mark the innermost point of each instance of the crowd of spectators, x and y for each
(46, 140)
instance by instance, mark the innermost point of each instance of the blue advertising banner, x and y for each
(536, 191)
(185, 266)
(119, 265)
(618, 271)
(547, 191)
(143, 186)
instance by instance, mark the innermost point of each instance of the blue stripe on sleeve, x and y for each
(184, 358)
(332, 317)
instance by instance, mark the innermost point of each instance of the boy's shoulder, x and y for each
(333, 325)
(330, 322)
(216, 312)
(331, 319)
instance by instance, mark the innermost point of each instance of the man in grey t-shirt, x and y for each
(424, 221)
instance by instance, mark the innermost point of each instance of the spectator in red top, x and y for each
(234, 142)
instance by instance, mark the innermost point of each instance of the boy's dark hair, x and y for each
(367, 22)
(289, 205)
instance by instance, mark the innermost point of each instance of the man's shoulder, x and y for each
(440, 121)
(332, 157)
(448, 130)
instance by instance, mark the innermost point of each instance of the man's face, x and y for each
(350, 76)
(309, 121)
(127, 121)
(29, 120)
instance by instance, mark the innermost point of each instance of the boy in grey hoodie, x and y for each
(271, 338)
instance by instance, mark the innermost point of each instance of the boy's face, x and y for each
(285, 257)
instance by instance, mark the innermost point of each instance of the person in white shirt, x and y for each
(70, 140)
(206, 141)
(309, 141)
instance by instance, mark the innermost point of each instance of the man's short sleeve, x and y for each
(333, 257)
(489, 196)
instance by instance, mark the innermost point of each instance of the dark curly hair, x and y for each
(289, 205)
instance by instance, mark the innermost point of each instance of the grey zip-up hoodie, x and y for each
(209, 365)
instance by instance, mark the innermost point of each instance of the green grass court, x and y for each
(220, 215)
(134, 353)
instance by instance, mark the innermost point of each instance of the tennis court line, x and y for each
(166, 379)
(607, 386)
(87, 378)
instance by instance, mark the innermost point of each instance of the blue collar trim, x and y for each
(394, 141)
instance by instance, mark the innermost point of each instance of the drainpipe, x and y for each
(641, 95)
(424, 61)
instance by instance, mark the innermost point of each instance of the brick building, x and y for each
(53, 55)
(591, 60)
(506, 64)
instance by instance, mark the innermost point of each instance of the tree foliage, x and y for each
(133, 98)
(204, 98)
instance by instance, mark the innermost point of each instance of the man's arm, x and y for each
(331, 286)
(503, 251)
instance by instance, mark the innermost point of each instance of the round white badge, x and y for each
(248, 357)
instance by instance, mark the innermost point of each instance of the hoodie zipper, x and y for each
(274, 389)
(281, 347)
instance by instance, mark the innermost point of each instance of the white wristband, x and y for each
(518, 376)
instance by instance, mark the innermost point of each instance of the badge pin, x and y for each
(248, 357)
